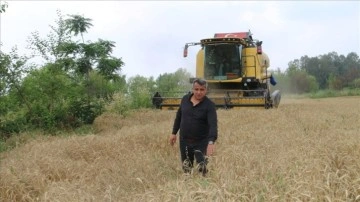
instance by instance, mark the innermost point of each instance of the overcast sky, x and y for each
(150, 35)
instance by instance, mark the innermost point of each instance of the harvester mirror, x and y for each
(186, 50)
(258, 47)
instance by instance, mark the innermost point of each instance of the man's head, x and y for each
(199, 88)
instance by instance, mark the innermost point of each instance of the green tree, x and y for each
(351, 69)
(332, 70)
(71, 88)
(3, 7)
(89, 56)
(12, 70)
(78, 25)
(51, 92)
(171, 84)
(355, 83)
(51, 48)
(300, 80)
(140, 89)
(12, 96)
(283, 81)
(81, 58)
(334, 82)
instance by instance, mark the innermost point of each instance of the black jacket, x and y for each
(196, 122)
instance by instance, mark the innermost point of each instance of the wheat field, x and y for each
(306, 150)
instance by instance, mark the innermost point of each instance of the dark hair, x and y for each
(201, 82)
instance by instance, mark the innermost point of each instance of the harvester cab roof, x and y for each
(243, 38)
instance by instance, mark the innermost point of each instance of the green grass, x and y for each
(2, 146)
(324, 93)
(335, 93)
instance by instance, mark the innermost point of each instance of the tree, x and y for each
(13, 101)
(70, 89)
(51, 48)
(12, 70)
(283, 81)
(300, 80)
(78, 24)
(173, 83)
(3, 7)
(332, 70)
(91, 55)
(51, 93)
(352, 69)
(139, 89)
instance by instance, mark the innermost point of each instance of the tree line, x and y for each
(324, 72)
(79, 78)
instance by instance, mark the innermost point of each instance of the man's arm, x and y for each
(213, 129)
(176, 127)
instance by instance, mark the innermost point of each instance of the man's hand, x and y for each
(210, 149)
(172, 139)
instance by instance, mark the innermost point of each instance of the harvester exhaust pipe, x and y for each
(276, 97)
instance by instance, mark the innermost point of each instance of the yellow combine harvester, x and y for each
(235, 68)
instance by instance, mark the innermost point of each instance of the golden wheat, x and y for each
(306, 150)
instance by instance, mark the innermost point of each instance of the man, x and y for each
(197, 120)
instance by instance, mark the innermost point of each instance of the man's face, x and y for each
(199, 91)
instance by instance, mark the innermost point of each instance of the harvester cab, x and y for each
(236, 69)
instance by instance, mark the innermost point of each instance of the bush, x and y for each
(12, 123)
(355, 83)
(84, 112)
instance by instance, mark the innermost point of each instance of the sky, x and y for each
(150, 35)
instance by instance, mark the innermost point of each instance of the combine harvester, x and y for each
(235, 67)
